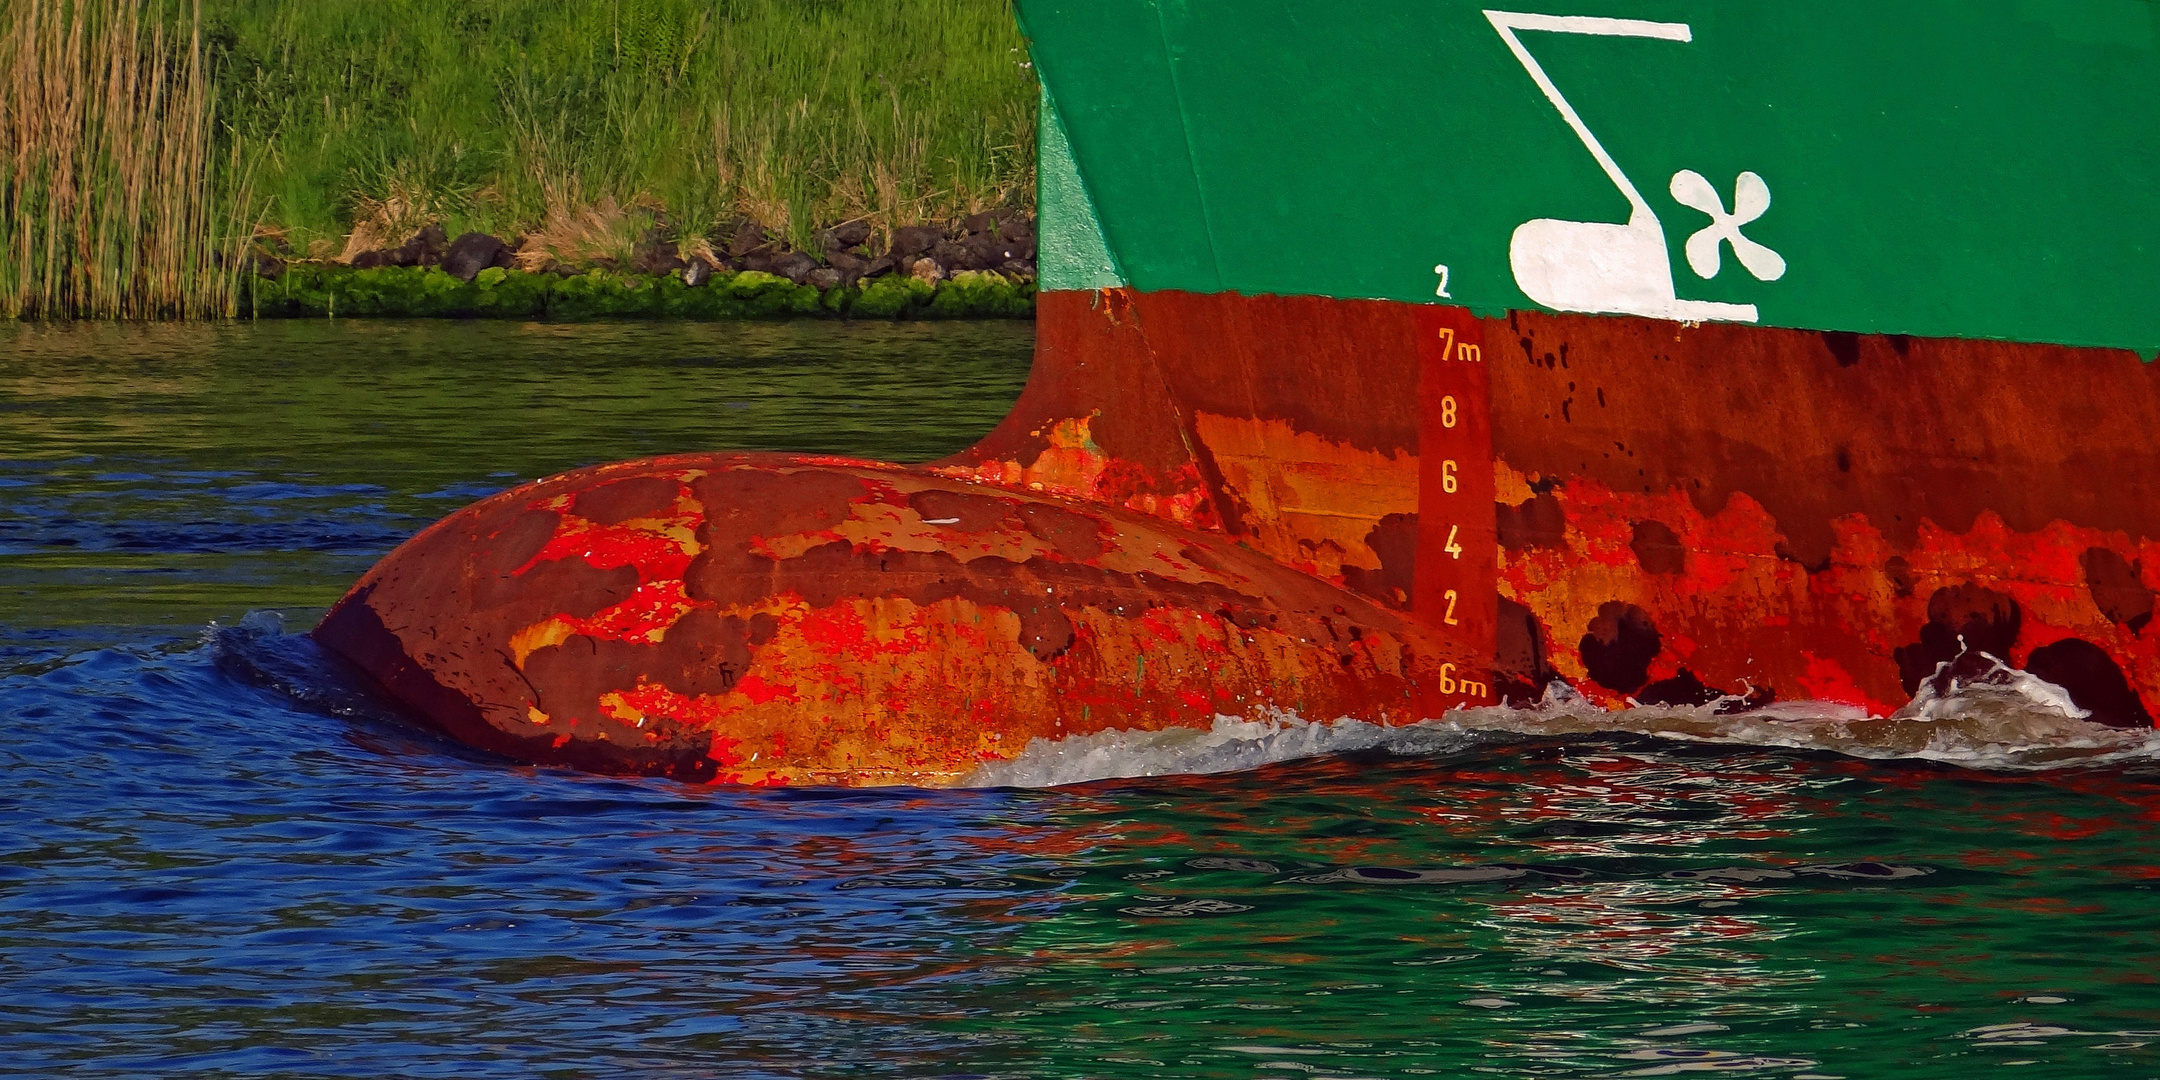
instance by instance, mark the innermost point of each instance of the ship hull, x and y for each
(1678, 514)
(1403, 356)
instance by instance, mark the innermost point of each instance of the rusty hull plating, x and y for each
(1211, 504)
(771, 619)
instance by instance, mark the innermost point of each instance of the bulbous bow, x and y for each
(775, 619)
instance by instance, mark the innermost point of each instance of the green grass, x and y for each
(143, 142)
(513, 116)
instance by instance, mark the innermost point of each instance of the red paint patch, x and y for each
(655, 556)
(723, 750)
(655, 606)
(761, 692)
(1827, 680)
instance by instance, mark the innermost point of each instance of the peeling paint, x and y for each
(827, 627)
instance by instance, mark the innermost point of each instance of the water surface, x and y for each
(220, 860)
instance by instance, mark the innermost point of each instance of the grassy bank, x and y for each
(499, 293)
(575, 127)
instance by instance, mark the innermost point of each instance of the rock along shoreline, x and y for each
(980, 268)
(498, 293)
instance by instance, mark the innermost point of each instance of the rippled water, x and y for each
(218, 859)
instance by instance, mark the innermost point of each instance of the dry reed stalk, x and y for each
(113, 200)
(388, 221)
(578, 232)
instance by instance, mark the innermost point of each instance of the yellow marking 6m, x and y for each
(1449, 684)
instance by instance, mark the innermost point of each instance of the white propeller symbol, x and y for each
(1751, 197)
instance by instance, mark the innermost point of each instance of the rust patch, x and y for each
(1844, 347)
(498, 557)
(1394, 542)
(2117, 588)
(570, 586)
(961, 511)
(1898, 571)
(1534, 523)
(1620, 646)
(1684, 690)
(1075, 536)
(2094, 681)
(743, 503)
(1520, 669)
(703, 653)
(622, 500)
(1658, 548)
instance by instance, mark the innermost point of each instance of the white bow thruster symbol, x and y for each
(1750, 198)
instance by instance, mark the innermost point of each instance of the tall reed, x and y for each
(115, 201)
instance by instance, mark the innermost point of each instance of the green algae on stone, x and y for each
(308, 290)
(890, 297)
(601, 294)
(400, 291)
(766, 296)
(974, 295)
(511, 294)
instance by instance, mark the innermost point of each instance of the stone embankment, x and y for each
(982, 267)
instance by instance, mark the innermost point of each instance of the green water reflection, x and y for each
(173, 474)
(1645, 910)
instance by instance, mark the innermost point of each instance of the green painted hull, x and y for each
(1945, 168)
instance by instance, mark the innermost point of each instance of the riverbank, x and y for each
(154, 155)
(498, 293)
(980, 267)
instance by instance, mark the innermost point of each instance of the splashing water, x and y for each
(2006, 719)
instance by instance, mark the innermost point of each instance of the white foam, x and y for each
(2004, 719)
(1998, 687)
(1229, 745)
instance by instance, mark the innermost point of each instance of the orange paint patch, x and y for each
(1306, 499)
